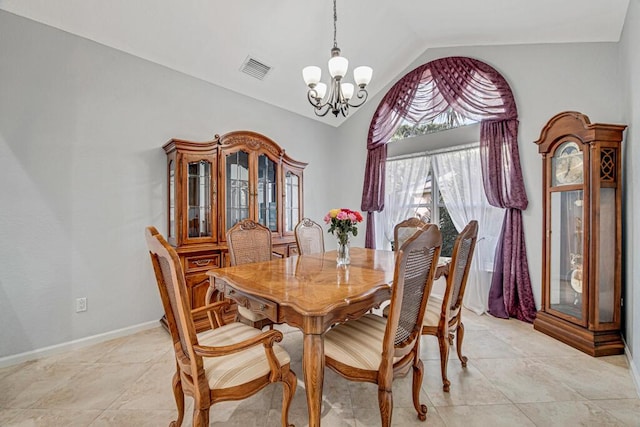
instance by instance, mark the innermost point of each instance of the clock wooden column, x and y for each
(582, 240)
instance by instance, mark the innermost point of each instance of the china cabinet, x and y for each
(581, 263)
(213, 185)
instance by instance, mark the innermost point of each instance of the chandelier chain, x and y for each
(335, 20)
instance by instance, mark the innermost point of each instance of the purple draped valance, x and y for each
(477, 91)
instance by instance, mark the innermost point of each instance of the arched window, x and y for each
(477, 91)
(448, 119)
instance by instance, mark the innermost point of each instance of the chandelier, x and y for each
(340, 95)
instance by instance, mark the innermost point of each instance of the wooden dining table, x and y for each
(311, 293)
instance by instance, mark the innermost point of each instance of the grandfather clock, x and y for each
(581, 262)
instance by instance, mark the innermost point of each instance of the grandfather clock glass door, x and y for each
(566, 255)
(566, 233)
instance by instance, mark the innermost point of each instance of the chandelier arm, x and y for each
(344, 109)
(362, 94)
(319, 110)
(311, 98)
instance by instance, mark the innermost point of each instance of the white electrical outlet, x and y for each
(81, 304)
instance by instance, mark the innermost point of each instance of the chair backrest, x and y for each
(249, 242)
(416, 262)
(173, 291)
(461, 258)
(405, 229)
(309, 237)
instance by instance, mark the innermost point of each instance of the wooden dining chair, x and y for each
(377, 349)
(309, 237)
(443, 317)
(229, 362)
(405, 229)
(250, 242)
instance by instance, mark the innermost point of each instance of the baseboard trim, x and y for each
(75, 344)
(632, 367)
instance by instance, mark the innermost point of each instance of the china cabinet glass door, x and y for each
(291, 201)
(199, 199)
(267, 193)
(172, 201)
(237, 187)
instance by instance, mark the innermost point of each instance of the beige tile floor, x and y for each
(515, 377)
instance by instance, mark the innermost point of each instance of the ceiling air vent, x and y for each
(255, 68)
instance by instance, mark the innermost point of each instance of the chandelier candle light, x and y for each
(340, 94)
(343, 221)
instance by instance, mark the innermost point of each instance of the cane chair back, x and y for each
(377, 349)
(405, 229)
(250, 242)
(443, 318)
(309, 237)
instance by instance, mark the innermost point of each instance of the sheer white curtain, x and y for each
(459, 176)
(405, 181)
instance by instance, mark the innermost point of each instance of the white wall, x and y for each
(82, 172)
(545, 80)
(630, 95)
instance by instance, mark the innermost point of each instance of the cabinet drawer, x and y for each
(293, 250)
(202, 262)
(253, 303)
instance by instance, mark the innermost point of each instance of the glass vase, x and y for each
(343, 257)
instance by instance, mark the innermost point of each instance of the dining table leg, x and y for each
(313, 370)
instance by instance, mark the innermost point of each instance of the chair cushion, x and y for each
(432, 314)
(236, 368)
(250, 315)
(357, 343)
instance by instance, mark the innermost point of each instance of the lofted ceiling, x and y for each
(211, 39)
